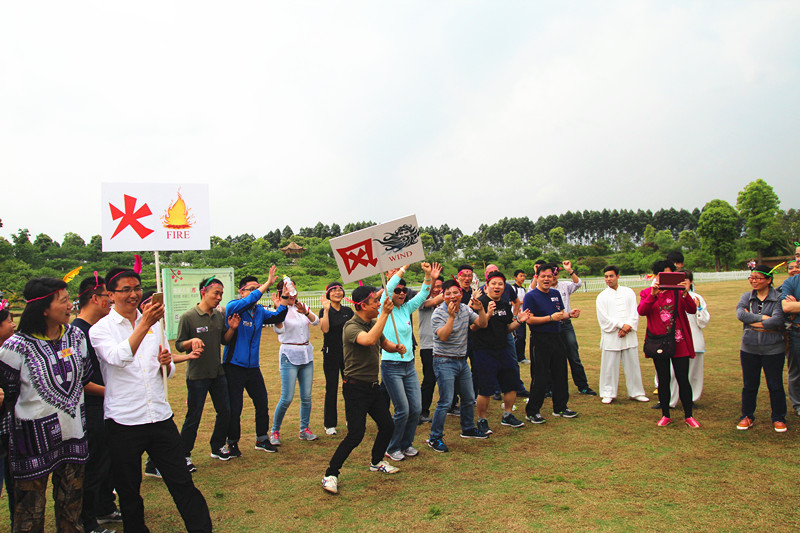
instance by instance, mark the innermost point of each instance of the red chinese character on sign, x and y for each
(357, 254)
(130, 217)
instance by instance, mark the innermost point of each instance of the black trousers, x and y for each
(360, 401)
(550, 359)
(98, 490)
(251, 380)
(428, 379)
(333, 367)
(681, 367)
(162, 442)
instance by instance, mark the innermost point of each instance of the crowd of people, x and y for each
(84, 399)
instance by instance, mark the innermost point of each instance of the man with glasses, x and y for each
(790, 301)
(132, 347)
(241, 360)
(98, 490)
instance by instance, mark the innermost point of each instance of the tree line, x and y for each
(716, 236)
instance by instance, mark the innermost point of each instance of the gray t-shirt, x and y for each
(456, 344)
(425, 329)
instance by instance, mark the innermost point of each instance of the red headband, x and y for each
(96, 284)
(45, 296)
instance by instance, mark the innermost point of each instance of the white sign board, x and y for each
(155, 216)
(377, 249)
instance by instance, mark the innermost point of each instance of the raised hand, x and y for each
(234, 320)
(491, 307)
(326, 304)
(153, 312)
(301, 307)
(436, 270)
(426, 268)
(452, 308)
(272, 275)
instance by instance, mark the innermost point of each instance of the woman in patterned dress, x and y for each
(43, 369)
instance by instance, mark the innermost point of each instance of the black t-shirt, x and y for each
(332, 341)
(97, 376)
(495, 335)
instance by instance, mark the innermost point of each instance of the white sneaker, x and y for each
(330, 431)
(607, 400)
(411, 452)
(384, 467)
(331, 484)
(641, 398)
(396, 455)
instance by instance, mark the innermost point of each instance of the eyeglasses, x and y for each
(127, 290)
(285, 297)
(248, 289)
(400, 290)
(756, 278)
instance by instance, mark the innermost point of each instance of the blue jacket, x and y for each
(242, 350)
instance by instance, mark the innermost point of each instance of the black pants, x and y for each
(519, 341)
(681, 367)
(550, 359)
(333, 367)
(98, 490)
(162, 442)
(251, 380)
(360, 401)
(428, 380)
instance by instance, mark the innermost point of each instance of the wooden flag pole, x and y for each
(391, 315)
(163, 324)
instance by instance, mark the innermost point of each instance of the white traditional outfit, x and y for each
(615, 308)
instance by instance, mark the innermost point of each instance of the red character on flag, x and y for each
(130, 217)
(357, 254)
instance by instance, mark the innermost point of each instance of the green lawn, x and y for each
(610, 469)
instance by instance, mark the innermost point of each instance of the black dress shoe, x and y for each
(587, 391)
(656, 406)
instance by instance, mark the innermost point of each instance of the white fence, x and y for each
(311, 298)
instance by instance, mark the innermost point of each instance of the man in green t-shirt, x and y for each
(362, 340)
(202, 330)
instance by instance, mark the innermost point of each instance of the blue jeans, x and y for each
(451, 374)
(402, 384)
(196, 391)
(291, 374)
(751, 376)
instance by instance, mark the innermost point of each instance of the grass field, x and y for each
(610, 469)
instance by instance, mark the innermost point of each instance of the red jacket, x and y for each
(658, 310)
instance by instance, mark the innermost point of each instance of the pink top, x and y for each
(658, 310)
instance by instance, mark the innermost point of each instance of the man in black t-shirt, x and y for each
(494, 359)
(98, 490)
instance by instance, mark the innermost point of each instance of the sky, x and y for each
(461, 112)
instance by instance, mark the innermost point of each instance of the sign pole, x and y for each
(163, 325)
(391, 315)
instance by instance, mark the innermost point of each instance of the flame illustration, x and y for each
(178, 216)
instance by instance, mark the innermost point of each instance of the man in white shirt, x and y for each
(616, 313)
(131, 348)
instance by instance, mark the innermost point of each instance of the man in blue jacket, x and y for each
(240, 359)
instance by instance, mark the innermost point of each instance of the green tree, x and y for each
(688, 241)
(664, 241)
(758, 204)
(427, 241)
(649, 234)
(718, 229)
(557, 237)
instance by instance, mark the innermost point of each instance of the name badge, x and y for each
(248, 324)
(150, 331)
(202, 329)
(66, 352)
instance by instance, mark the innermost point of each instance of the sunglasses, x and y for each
(400, 290)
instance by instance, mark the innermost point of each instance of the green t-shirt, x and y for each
(360, 362)
(210, 328)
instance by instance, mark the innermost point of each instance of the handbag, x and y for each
(661, 346)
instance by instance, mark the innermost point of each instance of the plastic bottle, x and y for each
(289, 285)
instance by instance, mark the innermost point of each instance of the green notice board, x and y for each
(182, 291)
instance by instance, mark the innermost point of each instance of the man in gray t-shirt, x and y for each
(450, 323)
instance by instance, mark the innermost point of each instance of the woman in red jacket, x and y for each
(659, 307)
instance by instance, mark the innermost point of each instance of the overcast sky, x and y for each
(462, 112)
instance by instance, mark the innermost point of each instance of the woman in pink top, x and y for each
(659, 307)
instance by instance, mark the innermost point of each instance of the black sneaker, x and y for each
(483, 426)
(473, 433)
(233, 450)
(190, 466)
(150, 469)
(113, 516)
(548, 394)
(511, 420)
(656, 406)
(587, 391)
(266, 447)
(437, 444)
(222, 454)
(497, 396)
(455, 411)
(523, 394)
(566, 413)
(536, 419)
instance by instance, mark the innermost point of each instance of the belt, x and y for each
(450, 356)
(353, 381)
(296, 343)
